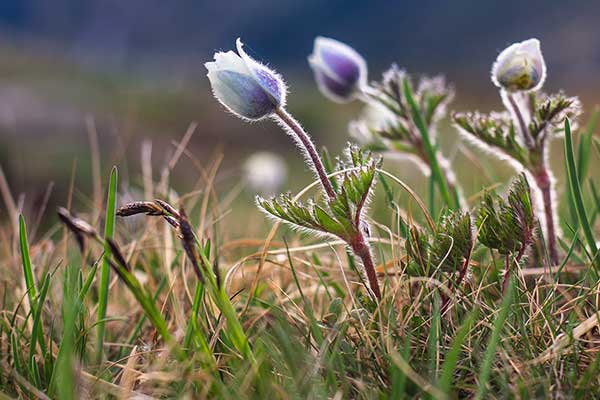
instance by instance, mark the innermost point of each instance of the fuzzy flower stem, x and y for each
(358, 242)
(544, 183)
(522, 125)
(361, 248)
(308, 145)
(461, 276)
(524, 246)
(542, 176)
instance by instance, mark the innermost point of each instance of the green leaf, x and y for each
(429, 149)
(550, 111)
(26, 261)
(490, 350)
(328, 223)
(585, 147)
(451, 358)
(577, 195)
(496, 132)
(109, 230)
(507, 225)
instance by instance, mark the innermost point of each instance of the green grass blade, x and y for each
(194, 329)
(139, 324)
(433, 339)
(596, 198)
(398, 377)
(37, 334)
(490, 352)
(26, 261)
(62, 382)
(451, 359)
(109, 230)
(150, 309)
(575, 188)
(585, 147)
(85, 287)
(235, 331)
(436, 170)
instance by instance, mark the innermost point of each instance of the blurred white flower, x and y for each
(265, 172)
(339, 70)
(244, 86)
(520, 67)
(375, 117)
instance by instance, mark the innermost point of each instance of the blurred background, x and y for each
(135, 69)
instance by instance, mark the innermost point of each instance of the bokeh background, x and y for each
(135, 68)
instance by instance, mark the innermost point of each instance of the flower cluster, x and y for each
(253, 92)
(398, 120)
(521, 134)
(401, 118)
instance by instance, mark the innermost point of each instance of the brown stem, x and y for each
(526, 242)
(361, 248)
(359, 245)
(461, 275)
(544, 183)
(542, 177)
(308, 145)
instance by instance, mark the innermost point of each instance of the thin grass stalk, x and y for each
(26, 262)
(490, 352)
(109, 230)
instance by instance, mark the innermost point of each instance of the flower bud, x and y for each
(244, 86)
(339, 70)
(520, 67)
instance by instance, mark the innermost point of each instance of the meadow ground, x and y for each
(288, 317)
(147, 288)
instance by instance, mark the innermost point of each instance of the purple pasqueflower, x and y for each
(244, 86)
(340, 72)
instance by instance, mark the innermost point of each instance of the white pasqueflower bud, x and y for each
(339, 70)
(520, 67)
(265, 172)
(244, 86)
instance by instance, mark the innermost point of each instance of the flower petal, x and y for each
(332, 89)
(268, 79)
(340, 61)
(230, 61)
(520, 67)
(241, 94)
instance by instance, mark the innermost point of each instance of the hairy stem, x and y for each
(544, 183)
(308, 145)
(542, 177)
(358, 243)
(526, 242)
(461, 275)
(361, 248)
(529, 142)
